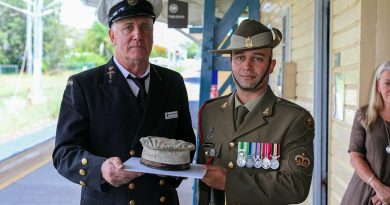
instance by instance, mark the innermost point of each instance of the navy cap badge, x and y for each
(132, 2)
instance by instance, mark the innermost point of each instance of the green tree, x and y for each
(54, 45)
(12, 33)
(13, 36)
(192, 50)
(158, 51)
(92, 46)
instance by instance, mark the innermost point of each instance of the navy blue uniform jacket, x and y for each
(100, 118)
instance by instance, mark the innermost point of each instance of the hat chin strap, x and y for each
(257, 85)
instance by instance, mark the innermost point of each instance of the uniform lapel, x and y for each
(256, 117)
(116, 88)
(226, 113)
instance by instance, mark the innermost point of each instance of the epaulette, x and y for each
(214, 99)
(289, 103)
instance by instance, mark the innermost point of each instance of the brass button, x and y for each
(82, 172)
(231, 144)
(131, 186)
(162, 182)
(82, 183)
(84, 161)
(231, 165)
(132, 153)
(131, 202)
(163, 199)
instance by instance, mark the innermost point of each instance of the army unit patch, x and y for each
(309, 122)
(302, 161)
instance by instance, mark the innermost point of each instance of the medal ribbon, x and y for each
(247, 148)
(275, 151)
(269, 148)
(253, 149)
(240, 146)
(258, 148)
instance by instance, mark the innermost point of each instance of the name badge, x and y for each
(171, 115)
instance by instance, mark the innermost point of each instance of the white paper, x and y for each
(196, 170)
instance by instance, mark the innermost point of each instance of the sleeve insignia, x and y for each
(302, 161)
(309, 122)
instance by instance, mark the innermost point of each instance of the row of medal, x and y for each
(258, 155)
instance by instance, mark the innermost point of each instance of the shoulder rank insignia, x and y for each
(69, 83)
(309, 122)
(302, 161)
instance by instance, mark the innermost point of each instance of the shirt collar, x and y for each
(125, 72)
(249, 105)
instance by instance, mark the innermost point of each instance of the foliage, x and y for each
(158, 51)
(192, 50)
(94, 46)
(54, 46)
(12, 34)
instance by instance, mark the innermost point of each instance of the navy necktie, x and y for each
(142, 95)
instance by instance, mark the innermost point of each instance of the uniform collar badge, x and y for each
(266, 111)
(224, 105)
(110, 72)
(302, 161)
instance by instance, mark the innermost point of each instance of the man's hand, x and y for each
(113, 172)
(215, 177)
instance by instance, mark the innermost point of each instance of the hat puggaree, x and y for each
(251, 34)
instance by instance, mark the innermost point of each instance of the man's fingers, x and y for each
(131, 175)
(117, 162)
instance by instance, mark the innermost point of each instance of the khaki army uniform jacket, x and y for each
(273, 121)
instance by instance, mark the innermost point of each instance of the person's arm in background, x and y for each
(358, 161)
(363, 170)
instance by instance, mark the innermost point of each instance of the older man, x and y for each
(258, 148)
(106, 110)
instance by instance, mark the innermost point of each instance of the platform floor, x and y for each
(46, 187)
